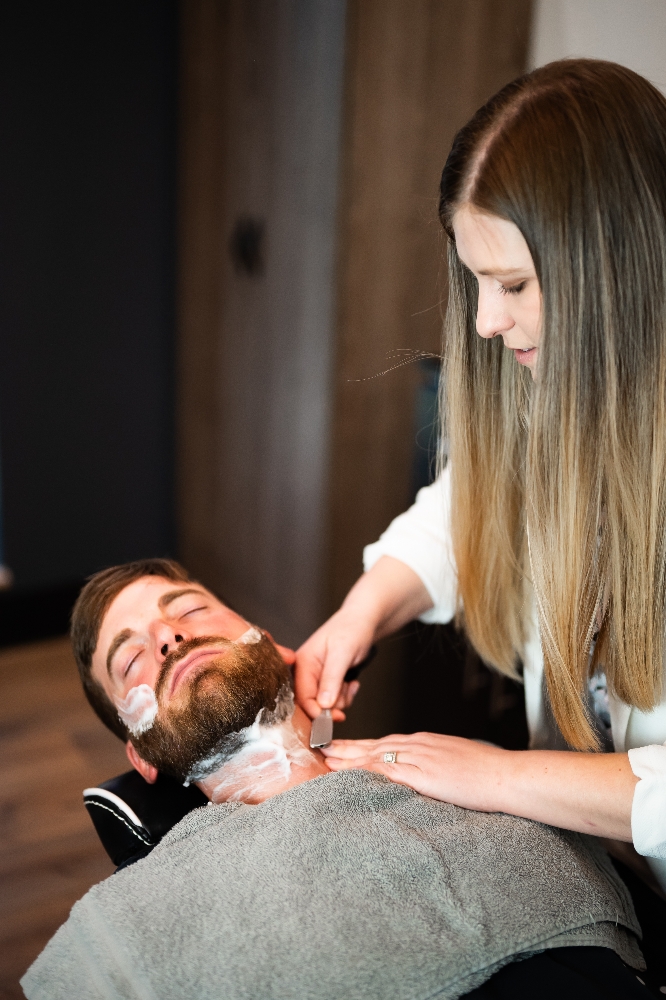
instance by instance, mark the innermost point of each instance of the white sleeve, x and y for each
(648, 810)
(421, 538)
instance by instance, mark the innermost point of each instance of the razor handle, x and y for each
(353, 672)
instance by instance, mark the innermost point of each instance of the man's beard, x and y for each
(223, 697)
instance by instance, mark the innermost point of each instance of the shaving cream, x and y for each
(251, 637)
(138, 709)
(268, 751)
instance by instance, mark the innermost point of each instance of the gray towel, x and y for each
(345, 887)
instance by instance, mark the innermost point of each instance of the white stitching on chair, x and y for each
(91, 802)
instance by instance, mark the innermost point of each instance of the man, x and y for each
(144, 635)
(295, 882)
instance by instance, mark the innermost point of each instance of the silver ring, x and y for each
(390, 757)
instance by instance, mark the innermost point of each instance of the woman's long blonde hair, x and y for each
(575, 155)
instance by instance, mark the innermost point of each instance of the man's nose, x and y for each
(492, 317)
(167, 638)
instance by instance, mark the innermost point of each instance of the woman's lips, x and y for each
(193, 660)
(524, 357)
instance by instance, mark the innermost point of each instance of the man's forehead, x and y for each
(146, 595)
(155, 591)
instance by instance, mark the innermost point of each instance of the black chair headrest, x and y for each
(131, 816)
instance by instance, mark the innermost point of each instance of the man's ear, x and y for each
(288, 655)
(147, 771)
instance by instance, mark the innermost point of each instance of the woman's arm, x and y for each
(379, 603)
(588, 792)
(410, 573)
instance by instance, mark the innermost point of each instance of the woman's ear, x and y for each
(147, 771)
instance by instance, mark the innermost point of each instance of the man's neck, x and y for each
(274, 759)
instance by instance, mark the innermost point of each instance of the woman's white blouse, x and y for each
(421, 538)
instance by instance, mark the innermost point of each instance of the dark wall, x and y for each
(87, 195)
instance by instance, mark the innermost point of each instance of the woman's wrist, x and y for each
(386, 597)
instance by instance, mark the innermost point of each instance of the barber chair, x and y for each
(131, 816)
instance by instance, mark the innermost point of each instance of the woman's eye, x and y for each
(512, 289)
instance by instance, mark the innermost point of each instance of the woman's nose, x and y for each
(492, 317)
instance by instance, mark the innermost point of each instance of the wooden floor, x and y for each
(51, 748)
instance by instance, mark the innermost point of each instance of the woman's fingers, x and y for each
(312, 664)
(349, 749)
(309, 665)
(352, 690)
(339, 658)
(377, 755)
(449, 768)
(404, 771)
(353, 748)
(345, 698)
(324, 659)
(321, 665)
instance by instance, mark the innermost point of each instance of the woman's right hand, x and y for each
(379, 603)
(324, 659)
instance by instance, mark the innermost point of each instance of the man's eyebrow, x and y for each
(173, 595)
(115, 646)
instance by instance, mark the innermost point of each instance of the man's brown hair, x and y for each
(88, 614)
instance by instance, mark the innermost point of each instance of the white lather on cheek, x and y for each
(251, 637)
(138, 709)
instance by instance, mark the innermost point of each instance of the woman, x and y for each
(545, 533)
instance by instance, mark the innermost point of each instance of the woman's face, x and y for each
(496, 253)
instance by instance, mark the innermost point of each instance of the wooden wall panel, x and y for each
(416, 71)
(262, 98)
(202, 183)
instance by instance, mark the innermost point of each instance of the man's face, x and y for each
(150, 619)
(180, 641)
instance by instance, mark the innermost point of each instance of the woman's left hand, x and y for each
(448, 768)
(589, 792)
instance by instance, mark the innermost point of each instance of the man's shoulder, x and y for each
(206, 816)
(351, 801)
(344, 792)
